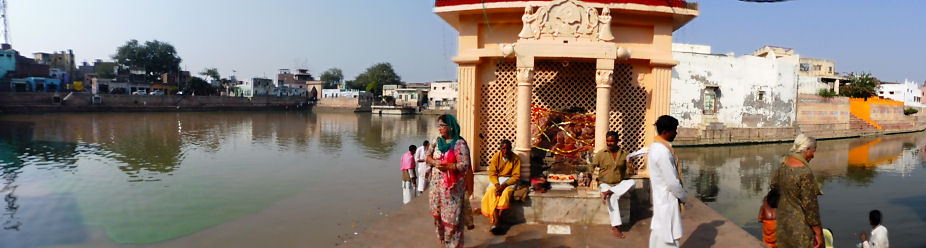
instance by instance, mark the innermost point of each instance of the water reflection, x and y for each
(856, 175)
(149, 177)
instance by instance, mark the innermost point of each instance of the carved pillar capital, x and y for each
(603, 78)
(525, 76)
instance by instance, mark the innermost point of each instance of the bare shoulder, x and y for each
(793, 162)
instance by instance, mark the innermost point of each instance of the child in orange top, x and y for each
(767, 217)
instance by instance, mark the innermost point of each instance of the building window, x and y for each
(817, 67)
(761, 96)
(831, 69)
(891, 92)
(709, 97)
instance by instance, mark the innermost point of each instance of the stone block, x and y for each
(579, 206)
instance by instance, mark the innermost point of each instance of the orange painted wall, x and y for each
(875, 110)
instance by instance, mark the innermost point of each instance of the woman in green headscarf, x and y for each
(449, 155)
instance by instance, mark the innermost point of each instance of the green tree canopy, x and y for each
(212, 73)
(860, 86)
(105, 69)
(373, 79)
(199, 86)
(332, 78)
(155, 57)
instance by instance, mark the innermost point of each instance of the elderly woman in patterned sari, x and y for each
(449, 155)
(798, 223)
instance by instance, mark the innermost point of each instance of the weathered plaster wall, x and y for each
(739, 81)
(810, 84)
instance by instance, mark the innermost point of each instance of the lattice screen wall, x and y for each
(558, 86)
(628, 110)
(498, 110)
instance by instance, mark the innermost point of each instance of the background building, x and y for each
(717, 91)
(262, 86)
(443, 95)
(908, 92)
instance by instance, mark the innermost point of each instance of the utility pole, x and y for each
(6, 28)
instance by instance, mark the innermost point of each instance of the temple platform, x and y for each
(554, 219)
(575, 206)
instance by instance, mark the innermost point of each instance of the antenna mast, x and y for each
(6, 28)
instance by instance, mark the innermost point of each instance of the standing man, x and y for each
(424, 171)
(666, 226)
(613, 170)
(504, 173)
(408, 175)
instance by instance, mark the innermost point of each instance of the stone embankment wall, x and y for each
(341, 104)
(825, 118)
(77, 102)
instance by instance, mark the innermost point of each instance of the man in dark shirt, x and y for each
(612, 164)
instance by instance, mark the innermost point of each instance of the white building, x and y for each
(443, 95)
(243, 89)
(410, 95)
(908, 92)
(353, 93)
(719, 90)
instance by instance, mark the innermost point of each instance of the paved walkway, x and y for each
(412, 226)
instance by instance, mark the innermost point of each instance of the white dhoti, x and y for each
(657, 242)
(424, 172)
(408, 191)
(613, 205)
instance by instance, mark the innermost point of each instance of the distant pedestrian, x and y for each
(408, 175)
(798, 213)
(767, 217)
(878, 238)
(450, 156)
(612, 178)
(666, 226)
(424, 171)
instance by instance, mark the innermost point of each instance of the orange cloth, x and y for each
(499, 167)
(768, 232)
(490, 202)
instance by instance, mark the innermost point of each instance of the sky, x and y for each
(257, 38)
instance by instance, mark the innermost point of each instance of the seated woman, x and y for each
(504, 173)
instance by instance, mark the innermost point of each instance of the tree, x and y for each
(376, 76)
(199, 86)
(332, 78)
(351, 84)
(155, 57)
(212, 73)
(860, 86)
(105, 69)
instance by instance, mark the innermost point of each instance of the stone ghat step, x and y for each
(412, 226)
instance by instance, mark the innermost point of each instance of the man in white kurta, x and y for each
(666, 226)
(878, 238)
(424, 171)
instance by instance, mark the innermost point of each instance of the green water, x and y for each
(153, 178)
(857, 175)
(289, 179)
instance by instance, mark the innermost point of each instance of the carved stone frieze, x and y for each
(566, 18)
